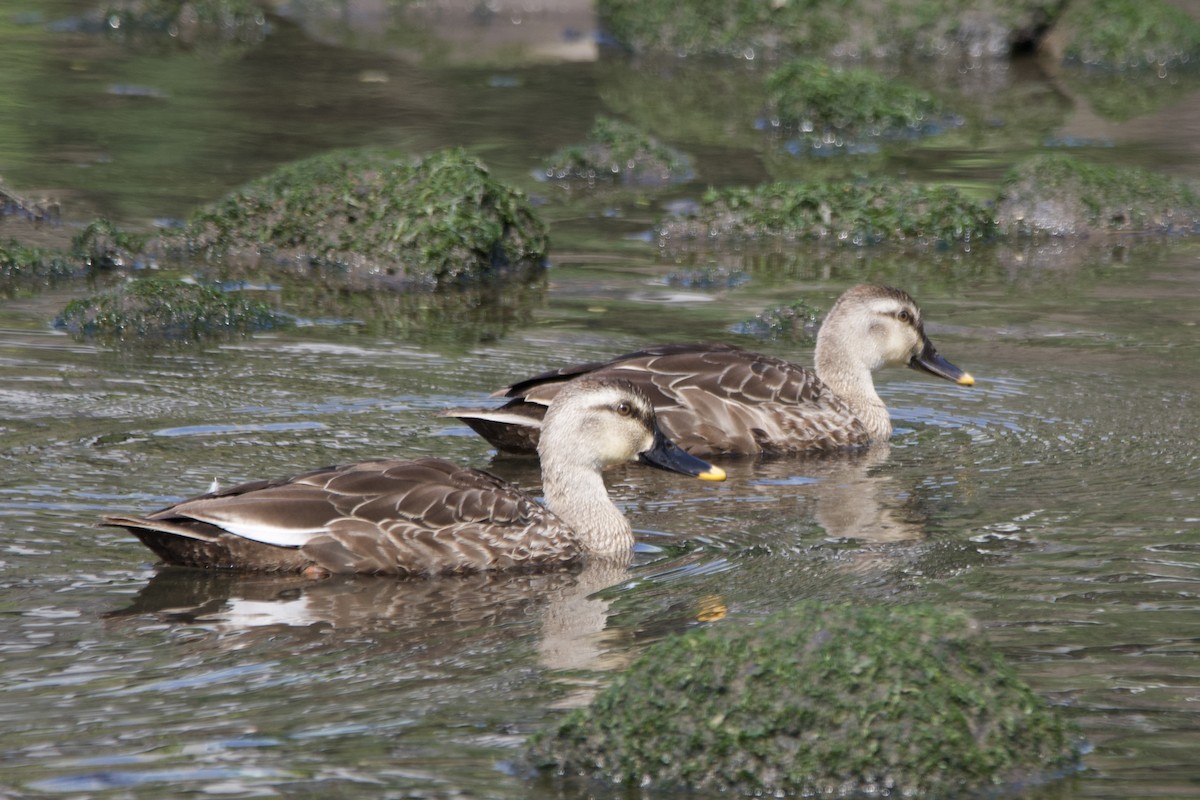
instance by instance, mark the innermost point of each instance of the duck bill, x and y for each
(665, 454)
(931, 361)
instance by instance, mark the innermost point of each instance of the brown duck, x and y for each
(716, 399)
(429, 516)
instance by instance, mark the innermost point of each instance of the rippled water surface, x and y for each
(1057, 501)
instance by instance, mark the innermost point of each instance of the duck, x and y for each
(431, 517)
(718, 399)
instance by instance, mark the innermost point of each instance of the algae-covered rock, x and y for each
(1065, 196)
(22, 264)
(850, 28)
(158, 310)
(855, 212)
(102, 245)
(1128, 34)
(817, 700)
(365, 218)
(616, 151)
(828, 107)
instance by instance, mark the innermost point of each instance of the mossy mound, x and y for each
(1065, 196)
(1130, 34)
(24, 264)
(851, 28)
(817, 700)
(855, 212)
(102, 245)
(154, 311)
(616, 151)
(827, 106)
(365, 218)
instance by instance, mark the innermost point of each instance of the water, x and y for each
(1056, 501)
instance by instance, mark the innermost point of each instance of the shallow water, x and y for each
(1057, 501)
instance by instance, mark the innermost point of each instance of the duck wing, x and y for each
(712, 399)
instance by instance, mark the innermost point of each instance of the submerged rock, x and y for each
(853, 212)
(102, 245)
(367, 218)
(152, 311)
(1065, 196)
(817, 700)
(618, 152)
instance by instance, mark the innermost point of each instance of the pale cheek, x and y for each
(614, 452)
(899, 351)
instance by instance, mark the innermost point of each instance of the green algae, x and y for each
(817, 699)
(155, 311)
(25, 264)
(102, 245)
(365, 218)
(826, 105)
(1062, 195)
(854, 212)
(1130, 35)
(1052, 194)
(619, 152)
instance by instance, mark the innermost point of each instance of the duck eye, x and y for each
(904, 315)
(624, 409)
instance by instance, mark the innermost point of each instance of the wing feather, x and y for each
(713, 399)
(397, 517)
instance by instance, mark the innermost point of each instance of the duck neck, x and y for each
(852, 382)
(578, 497)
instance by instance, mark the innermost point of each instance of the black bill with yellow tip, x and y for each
(931, 361)
(665, 454)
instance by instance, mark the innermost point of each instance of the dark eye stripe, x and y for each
(641, 413)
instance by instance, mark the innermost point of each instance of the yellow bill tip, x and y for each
(712, 474)
(966, 380)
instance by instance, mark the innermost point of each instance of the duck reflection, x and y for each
(243, 610)
(853, 501)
